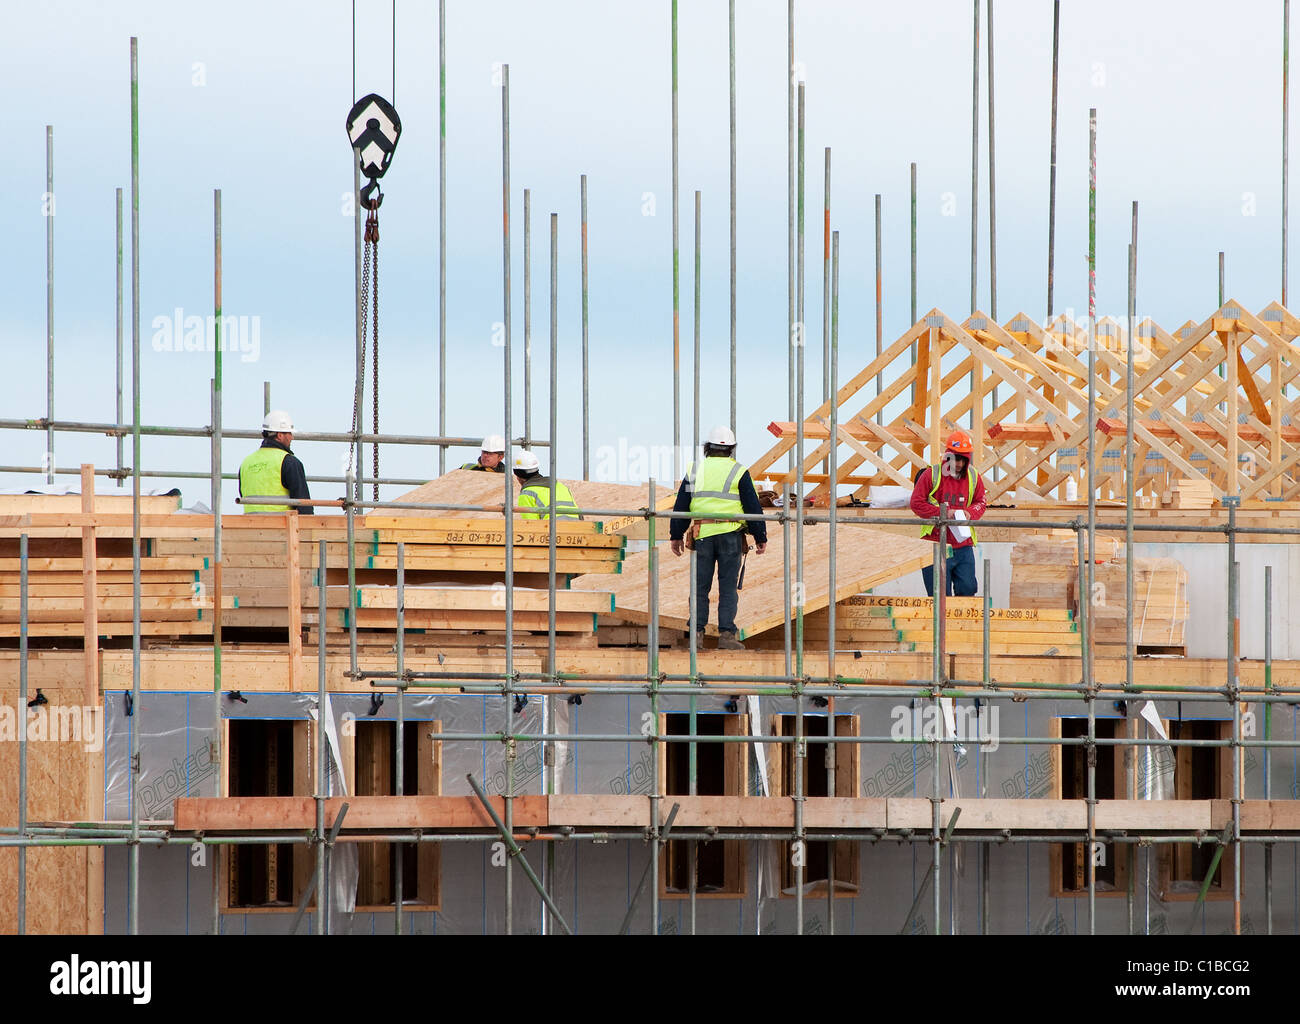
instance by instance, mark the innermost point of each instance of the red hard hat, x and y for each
(959, 443)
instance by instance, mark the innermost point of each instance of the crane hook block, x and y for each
(373, 129)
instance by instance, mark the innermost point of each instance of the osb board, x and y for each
(467, 487)
(57, 775)
(864, 558)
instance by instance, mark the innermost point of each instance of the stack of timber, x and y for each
(1159, 610)
(1045, 576)
(866, 622)
(454, 573)
(60, 574)
(1190, 494)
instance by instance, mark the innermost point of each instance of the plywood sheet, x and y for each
(864, 558)
(467, 487)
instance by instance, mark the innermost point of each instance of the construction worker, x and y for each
(954, 483)
(711, 490)
(535, 491)
(492, 458)
(273, 468)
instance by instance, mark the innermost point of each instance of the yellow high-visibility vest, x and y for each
(935, 480)
(538, 495)
(715, 492)
(259, 474)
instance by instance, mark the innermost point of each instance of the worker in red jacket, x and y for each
(954, 483)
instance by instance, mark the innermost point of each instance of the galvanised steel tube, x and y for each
(508, 483)
(974, 168)
(442, 231)
(1268, 734)
(1051, 188)
(799, 750)
(677, 396)
(22, 733)
(528, 322)
(826, 281)
(586, 375)
(880, 322)
(833, 474)
(652, 669)
(399, 744)
(190, 474)
(837, 687)
(791, 320)
(217, 552)
(114, 430)
(120, 475)
(913, 320)
(984, 757)
(731, 51)
(508, 835)
(322, 778)
(133, 861)
(993, 202)
(49, 301)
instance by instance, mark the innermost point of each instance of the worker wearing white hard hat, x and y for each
(273, 469)
(713, 489)
(535, 494)
(492, 458)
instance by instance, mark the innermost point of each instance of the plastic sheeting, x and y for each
(594, 883)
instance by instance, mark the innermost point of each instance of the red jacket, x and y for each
(954, 492)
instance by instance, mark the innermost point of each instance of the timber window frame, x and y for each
(1200, 773)
(266, 757)
(848, 782)
(1069, 865)
(372, 775)
(722, 769)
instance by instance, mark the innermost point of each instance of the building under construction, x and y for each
(426, 714)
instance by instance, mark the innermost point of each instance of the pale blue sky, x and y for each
(251, 98)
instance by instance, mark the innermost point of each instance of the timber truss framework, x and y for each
(1210, 402)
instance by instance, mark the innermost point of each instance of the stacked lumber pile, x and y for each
(1045, 576)
(173, 600)
(1159, 605)
(454, 573)
(869, 622)
(1190, 494)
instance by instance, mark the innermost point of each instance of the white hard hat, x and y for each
(526, 461)
(494, 443)
(722, 436)
(278, 421)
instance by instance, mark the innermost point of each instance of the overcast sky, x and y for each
(251, 98)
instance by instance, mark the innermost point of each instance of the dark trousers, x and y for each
(960, 580)
(722, 550)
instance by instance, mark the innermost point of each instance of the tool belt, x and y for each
(693, 535)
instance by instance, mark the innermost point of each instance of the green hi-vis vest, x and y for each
(538, 495)
(500, 467)
(715, 492)
(259, 474)
(935, 480)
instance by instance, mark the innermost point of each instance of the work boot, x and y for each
(685, 642)
(728, 642)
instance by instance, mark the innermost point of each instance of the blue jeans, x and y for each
(724, 551)
(960, 580)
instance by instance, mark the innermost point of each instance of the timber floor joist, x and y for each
(210, 816)
(264, 669)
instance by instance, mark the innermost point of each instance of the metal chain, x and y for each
(361, 369)
(374, 361)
